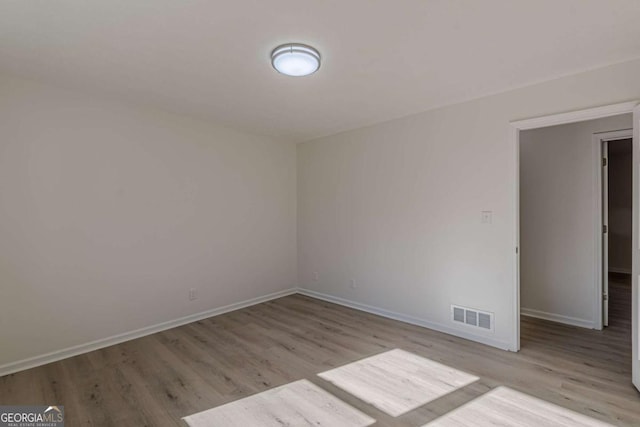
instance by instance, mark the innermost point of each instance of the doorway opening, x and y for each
(616, 152)
(567, 192)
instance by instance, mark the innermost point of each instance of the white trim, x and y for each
(597, 194)
(54, 356)
(487, 338)
(559, 318)
(575, 116)
(514, 137)
(635, 259)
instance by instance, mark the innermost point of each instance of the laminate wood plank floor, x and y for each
(505, 407)
(158, 379)
(300, 403)
(397, 381)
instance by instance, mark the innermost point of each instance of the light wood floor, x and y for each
(156, 380)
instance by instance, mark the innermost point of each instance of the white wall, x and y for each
(620, 205)
(557, 220)
(109, 213)
(397, 205)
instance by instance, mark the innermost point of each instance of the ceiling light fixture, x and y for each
(294, 59)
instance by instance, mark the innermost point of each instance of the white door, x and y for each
(635, 314)
(605, 233)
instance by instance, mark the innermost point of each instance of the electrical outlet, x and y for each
(353, 284)
(486, 217)
(193, 294)
(316, 277)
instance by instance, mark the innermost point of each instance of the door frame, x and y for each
(598, 140)
(551, 120)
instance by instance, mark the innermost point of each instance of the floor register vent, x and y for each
(472, 317)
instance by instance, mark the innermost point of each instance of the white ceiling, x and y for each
(382, 59)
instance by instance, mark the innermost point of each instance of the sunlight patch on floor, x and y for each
(294, 404)
(503, 406)
(397, 381)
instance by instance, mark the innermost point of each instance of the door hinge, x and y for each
(604, 229)
(516, 249)
(604, 161)
(605, 297)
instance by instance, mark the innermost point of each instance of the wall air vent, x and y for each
(458, 314)
(472, 317)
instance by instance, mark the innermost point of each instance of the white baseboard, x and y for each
(483, 339)
(559, 318)
(619, 270)
(57, 355)
(54, 356)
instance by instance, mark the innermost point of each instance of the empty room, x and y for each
(324, 213)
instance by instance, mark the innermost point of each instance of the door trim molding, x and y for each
(514, 137)
(575, 116)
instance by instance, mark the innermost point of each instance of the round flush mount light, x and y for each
(294, 59)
